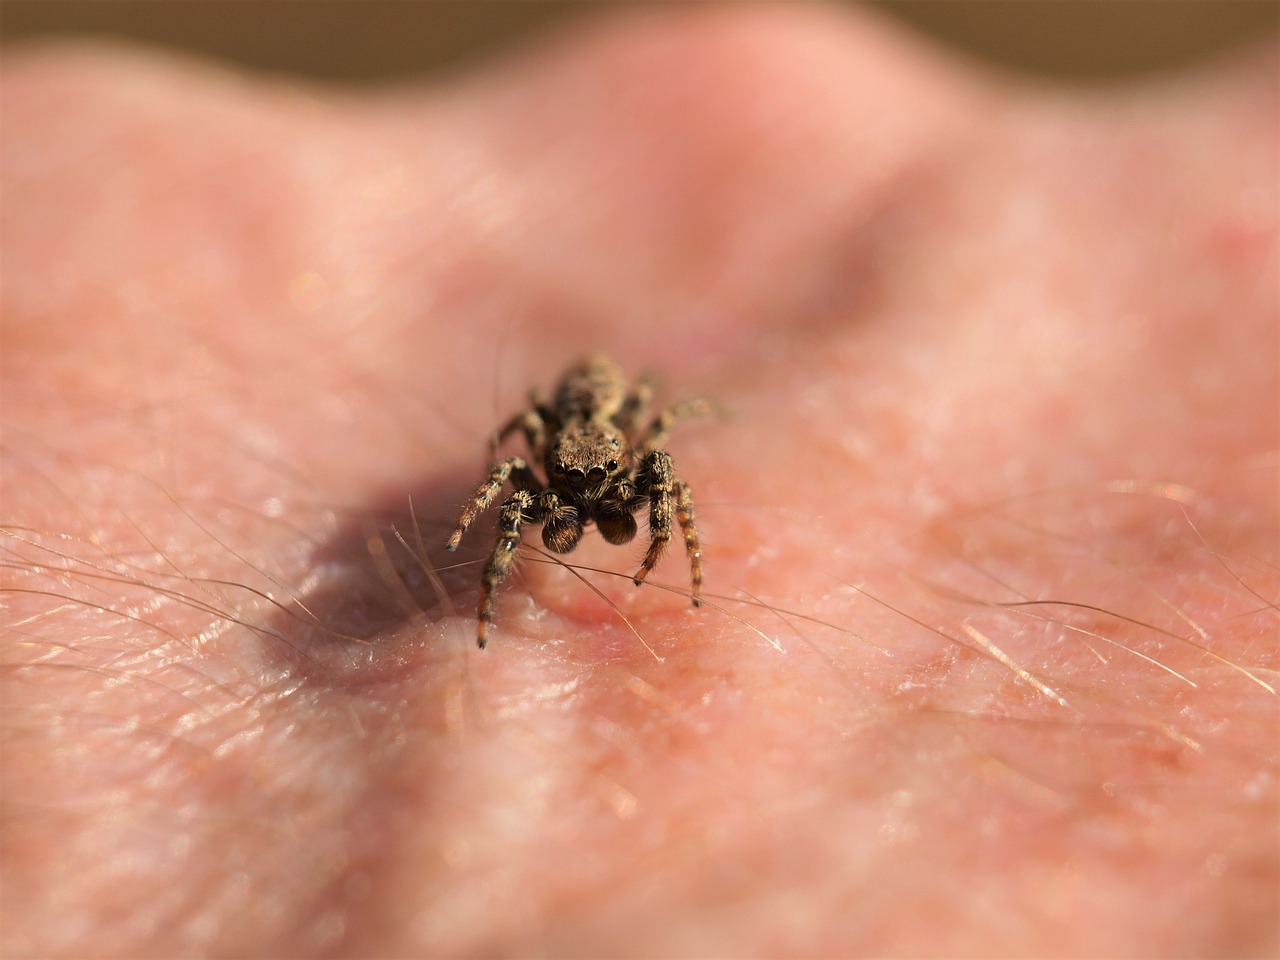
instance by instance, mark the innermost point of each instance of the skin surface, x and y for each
(989, 661)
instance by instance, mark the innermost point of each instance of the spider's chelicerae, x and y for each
(602, 462)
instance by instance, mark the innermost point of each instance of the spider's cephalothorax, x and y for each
(602, 464)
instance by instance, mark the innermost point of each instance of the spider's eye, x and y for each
(596, 474)
(558, 467)
(611, 466)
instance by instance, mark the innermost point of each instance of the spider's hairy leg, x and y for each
(532, 424)
(658, 432)
(514, 469)
(692, 546)
(516, 511)
(636, 406)
(657, 478)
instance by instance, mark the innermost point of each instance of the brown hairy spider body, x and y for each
(601, 466)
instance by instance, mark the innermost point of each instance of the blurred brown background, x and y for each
(377, 39)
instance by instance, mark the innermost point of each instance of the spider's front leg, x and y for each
(656, 479)
(518, 510)
(514, 469)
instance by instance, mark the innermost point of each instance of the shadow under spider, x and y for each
(383, 569)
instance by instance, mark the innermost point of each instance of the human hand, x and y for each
(989, 659)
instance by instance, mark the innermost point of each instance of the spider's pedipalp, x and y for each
(561, 526)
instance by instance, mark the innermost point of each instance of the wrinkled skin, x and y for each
(982, 343)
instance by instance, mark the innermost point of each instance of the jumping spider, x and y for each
(600, 465)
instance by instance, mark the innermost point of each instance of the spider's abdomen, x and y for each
(593, 390)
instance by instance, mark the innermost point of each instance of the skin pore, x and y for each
(988, 663)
